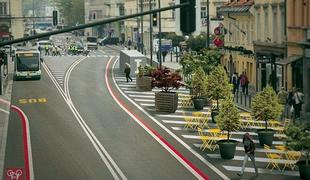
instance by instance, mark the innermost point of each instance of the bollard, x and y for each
(245, 100)
(250, 101)
(241, 98)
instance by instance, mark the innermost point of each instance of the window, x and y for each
(3, 8)
(203, 12)
(257, 27)
(275, 26)
(266, 26)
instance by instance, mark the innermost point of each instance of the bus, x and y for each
(27, 64)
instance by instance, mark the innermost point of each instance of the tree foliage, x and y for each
(73, 11)
(198, 42)
(265, 105)
(198, 83)
(217, 85)
(208, 59)
(175, 39)
(228, 117)
(298, 138)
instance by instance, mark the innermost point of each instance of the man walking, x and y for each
(299, 100)
(127, 72)
(282, 97)
(249, 149)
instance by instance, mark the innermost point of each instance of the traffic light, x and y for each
(154, 17)
(188, 17)
(55, 18)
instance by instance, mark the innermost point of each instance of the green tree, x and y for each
(298, 138)
(175, 39)
(217, 85)
(198, 42)
(73, 11)
(265, 106)
(209, 59)
(228, 117)
(197, 83)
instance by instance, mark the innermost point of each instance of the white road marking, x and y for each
(206, 162)
(5, 111)
(261, 170)
(105, 157)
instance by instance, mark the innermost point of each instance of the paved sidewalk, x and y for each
(5, 113)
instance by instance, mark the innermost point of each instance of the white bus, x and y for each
(27, 64)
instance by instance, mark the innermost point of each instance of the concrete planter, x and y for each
(144, 83)
(265, 137)
(166, 102)
(227, 148)
(304, 170)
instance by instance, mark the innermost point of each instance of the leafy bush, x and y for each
(228, 117)
(166, 80)
(265, 106)
(198, 83)
(145, 70)
(217, 85)
(298, 138)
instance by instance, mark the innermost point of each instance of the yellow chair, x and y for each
(189, 123)
(201, 118)
(186, 100)
(292, 157)
(207, 141)
(280, 129)
(273, 157)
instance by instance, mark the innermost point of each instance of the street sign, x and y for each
(14, 173)
(166, 44)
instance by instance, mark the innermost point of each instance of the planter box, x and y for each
(166, 101)
(265, 137)
(144, 83)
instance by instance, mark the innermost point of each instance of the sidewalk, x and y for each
(5, 113)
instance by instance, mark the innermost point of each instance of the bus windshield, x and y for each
(91, 39)
(28, 63)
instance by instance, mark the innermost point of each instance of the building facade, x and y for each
(11, 27)
(170, 20)
(96, 10)
(239, 24)
(269, 43)
(298, 49)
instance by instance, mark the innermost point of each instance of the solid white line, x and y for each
(137, 92)
(146, 104)
(127, 85)
(141, 96)
(84, 127)
(216, 170)
(261, 170)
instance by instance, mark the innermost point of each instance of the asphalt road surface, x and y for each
(77, 130)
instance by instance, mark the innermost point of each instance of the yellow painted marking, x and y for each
(32, 101)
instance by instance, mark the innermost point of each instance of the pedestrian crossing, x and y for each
(175, 122)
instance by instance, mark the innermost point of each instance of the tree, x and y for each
(197, 82)
(217, 85)
(197, 43)
(73, 11)
(265, 106)
(298, 138)
(228, 117)
(175, 39)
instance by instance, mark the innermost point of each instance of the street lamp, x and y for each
(208, 25)
(159, 33)
(151, 33)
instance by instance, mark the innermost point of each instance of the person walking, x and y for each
(290, 102)
(298, 98)
(249, 148)
(127, 72)
(234, 81)
(282, 96)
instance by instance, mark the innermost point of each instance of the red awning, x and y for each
(5, 34)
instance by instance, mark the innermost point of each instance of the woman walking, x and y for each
(127, 71)
(249, 148)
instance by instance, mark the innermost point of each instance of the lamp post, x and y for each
(33, 17)
(141, 9)
(151, 33)
(208, 24)
(159, 33)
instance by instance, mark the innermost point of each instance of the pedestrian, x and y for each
(299, 100)
(127, 72)
(234, 81)
(249, 149)
(244, 81)
(291, 102)
(282, 97)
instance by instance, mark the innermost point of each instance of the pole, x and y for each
(208, 24)
(151, 33)
(142, 43)
(159, 33)
(138, 27)
(33, 17)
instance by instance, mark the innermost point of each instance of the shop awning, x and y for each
(289, 60)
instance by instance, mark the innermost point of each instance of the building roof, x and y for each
(236, 6)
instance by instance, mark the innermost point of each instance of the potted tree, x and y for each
(144, 78)
(165, 100)
(217, 87)
(228, 120)
(298, 139)
(197, 85)
(265, 106)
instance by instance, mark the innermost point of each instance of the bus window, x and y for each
(28, 62)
